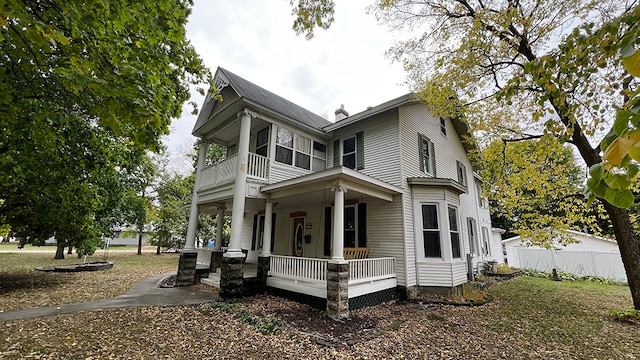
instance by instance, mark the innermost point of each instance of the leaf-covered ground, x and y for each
(529, 318)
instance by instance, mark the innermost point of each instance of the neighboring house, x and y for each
(393, 184)
(590, 255)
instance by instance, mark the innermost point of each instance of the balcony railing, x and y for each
(224, 171)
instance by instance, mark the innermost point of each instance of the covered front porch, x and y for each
(295, 234)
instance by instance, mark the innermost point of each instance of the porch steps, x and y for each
(213, 279)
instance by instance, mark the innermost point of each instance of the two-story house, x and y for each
(341, 214)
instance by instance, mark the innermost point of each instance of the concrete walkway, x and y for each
(145, 293)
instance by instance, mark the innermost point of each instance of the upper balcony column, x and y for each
(193, 211)
(338, 223)
(240, 186)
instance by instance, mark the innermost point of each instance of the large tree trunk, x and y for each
(140, 243)
(59, 250)
(70, 251)
(629, 245)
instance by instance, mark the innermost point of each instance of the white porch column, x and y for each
(268, 216)
(193, 212)
(338, 223)
(218, 244)
(240, 186)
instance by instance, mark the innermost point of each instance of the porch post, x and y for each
(232, 274)
(193, 212)
(218, 245)
(268, 218)
(188, 256)
(265, 257)
(240, 186)
(216, 254)
(338, 223)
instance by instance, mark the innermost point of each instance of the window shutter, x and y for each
(273, 231)
(359, 150)
(253, 234)
(336, 153)
(421, 152)
(362, 225)
(327, 231)
(432, 157)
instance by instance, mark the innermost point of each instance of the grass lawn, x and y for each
(529, 318)
(23, 287)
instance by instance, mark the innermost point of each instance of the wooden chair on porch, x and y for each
(356, 253)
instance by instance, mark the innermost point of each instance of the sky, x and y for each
(345, 64)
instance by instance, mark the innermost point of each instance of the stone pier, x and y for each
(338, 289)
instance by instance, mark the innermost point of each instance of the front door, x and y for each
(298, 236)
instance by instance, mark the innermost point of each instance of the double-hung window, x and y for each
(443, 126)
(485, 242)
(319, 156)
(456, 252)
(462, 173)
(473, 236)
(349, 152)
(427, 156)
(262, 142)
(303, 152)
(431, 231)
(284, 146)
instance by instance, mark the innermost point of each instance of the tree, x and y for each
(535, 187)
(85, 89)
(514, 68)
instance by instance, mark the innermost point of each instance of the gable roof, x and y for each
(254, 94)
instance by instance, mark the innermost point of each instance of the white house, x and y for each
(392, 184)
(589, 255)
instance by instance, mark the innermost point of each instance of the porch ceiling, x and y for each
(337, 176)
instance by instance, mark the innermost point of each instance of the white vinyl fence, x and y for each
(582, 263)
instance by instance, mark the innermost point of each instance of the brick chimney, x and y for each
(341, 113)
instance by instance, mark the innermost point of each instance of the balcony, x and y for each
(224, 171)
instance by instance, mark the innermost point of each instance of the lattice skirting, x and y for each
(313, 301)
(372, 299)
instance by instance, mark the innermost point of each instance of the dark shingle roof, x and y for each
(255, 93)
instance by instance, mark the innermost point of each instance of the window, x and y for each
(443, 126)
(349, 152)
(473, 236)
(232, 150)
(303, 152)
(284, 146)
(427, 158)
(430, 231)
(462, 173)
(455, 234)
(319, 156)
(485, 242)
(480, 199)
(262, 142)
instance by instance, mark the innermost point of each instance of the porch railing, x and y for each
(298, 268)
(224, 171)
(371, 269)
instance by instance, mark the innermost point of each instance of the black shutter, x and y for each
(362, 225)
(336, 153)
(327, 231)
(359, 150)
(253, 234)
(273, 231)
(421, 151)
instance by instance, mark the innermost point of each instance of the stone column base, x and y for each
(338, 290)
(187, 269)
(216, 260)
(263, 271)
(232, 277)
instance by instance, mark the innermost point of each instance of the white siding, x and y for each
(385, 231)
(281, 172)
(381, 152)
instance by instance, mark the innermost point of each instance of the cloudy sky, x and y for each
(253, 39)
